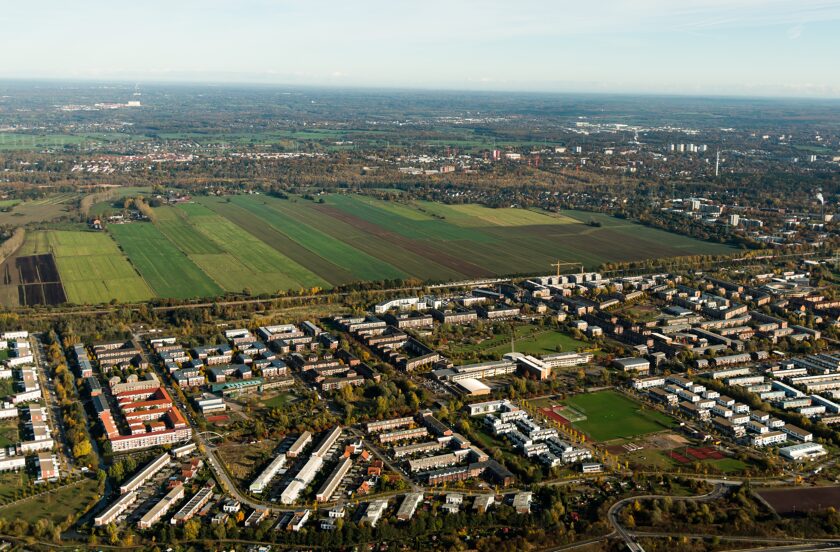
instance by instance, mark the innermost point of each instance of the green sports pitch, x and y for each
(609, 415)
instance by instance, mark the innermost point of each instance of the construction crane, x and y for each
(558, 264)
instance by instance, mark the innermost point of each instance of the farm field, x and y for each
(261, 244)
(440, 242)
(610, 415)
(39, 210)
(91, 266)
(801, 500)
(167, 270)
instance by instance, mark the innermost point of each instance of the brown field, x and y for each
(279, 241)
(31, 280)
(241, 458)
(459, 265)
(791, 501)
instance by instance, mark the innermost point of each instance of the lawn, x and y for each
(611, 415)
(728, 465)
(9, 432)
(277, 401)
(168, 271)
(55, 505)
(532, 340)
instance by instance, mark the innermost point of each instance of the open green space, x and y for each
(360, 265)
(57, 505)
(92, 267)
(532, 340)
(15, 141)
(245, 261)
(43, 209)
(263, 244)
(728, 465)
(278, 401)
(611, 415)
(168, 271)
(11, 483)
(9, 432)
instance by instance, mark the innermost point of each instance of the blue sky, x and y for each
(717, 47)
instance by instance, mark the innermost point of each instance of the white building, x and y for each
(802, 451)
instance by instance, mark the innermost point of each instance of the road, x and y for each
(631, 537)
(55, 420)
(59, 312)
(210, 455)
(626, 536)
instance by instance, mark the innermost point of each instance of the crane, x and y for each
(559, 263)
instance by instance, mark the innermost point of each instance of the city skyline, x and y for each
(708, 47)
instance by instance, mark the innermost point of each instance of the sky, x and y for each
(694, 47)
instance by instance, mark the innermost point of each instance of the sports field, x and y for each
(610, 415)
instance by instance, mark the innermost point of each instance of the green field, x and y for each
(92, 267)
(278, 401)
(9, 432)
(531, 340)
(54, 505)
(168, 271)
(262, 244)
(610, 415)
(10, 484)
(39, 210)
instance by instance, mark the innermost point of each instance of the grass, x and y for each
(277, 401)
(56, 505)
(10, 483)
(9, 432)
(263, 244)
(610, 415)
(168, 271)
(44, 209)
(531, 340)
(92, 268)
(360, 265)
(247, 261)
(728, 465)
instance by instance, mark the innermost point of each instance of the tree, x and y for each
(82, 449)
(191, 529)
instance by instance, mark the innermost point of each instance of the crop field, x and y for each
(167, 270)
(91, 266)
(261, 244)
(610, 415)
(802, 500)
(245, 261)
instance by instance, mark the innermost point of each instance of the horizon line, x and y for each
(212, 83)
